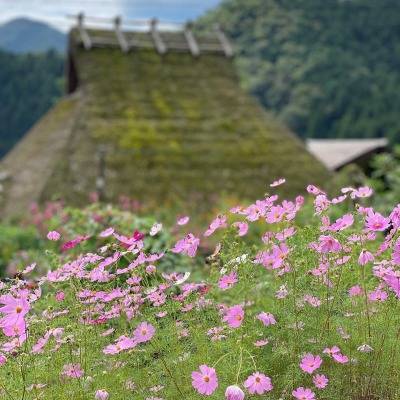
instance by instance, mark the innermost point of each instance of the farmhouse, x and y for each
(156, 113)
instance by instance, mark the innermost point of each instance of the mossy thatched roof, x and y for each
(171, 127)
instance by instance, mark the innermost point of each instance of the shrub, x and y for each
(305, 312)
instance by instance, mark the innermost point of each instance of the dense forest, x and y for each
(328, 68)
(29, 85)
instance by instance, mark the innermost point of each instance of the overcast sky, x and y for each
(55, 11)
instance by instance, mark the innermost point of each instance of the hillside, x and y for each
(327, 68)
(23, 35)
(29, 86)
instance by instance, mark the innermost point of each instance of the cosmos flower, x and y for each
(205, 381)
(187, 245)
(228, 281)
(183, 220)
(234, 393)
(320, 381)
(101, 394)
(72, 371)
(266, 318)
(309, 363)
(143, 332)
(54, 236)
(234, 316)
(303, 394)
(258, 383)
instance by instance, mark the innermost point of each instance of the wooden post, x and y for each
(123, 43)
(155, 33)
(87, 42)
(191, 40)
(225, 44)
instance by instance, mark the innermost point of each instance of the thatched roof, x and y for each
(336, 153)
(160, 128)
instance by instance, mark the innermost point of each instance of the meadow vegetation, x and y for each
(119, 306)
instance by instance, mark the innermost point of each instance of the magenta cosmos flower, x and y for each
(101, 394)
(53, 235)
(234, 393)
(266, 318)
(205, 381)
(258, 383)
(320, 381)
(187, 245)
(144, 332)
(309, 363)
(14, 310)
(72, 371)
(303, 394)
(227, 281)
(234, 316)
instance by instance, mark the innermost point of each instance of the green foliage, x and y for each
(385, 179)
(328, 68)
(13, 241)
(29, 85)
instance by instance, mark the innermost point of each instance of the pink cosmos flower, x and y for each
(73, 243)
(355, 291)
(320, 381)
(309, 363)
(101, 394)
(342, 223)
(3, 359)
(258, 383)
(205, 381)
(336, 354)
(122, 343)
(72, 371)
(328, 244)
(228, 281)
(53, 235)
(60, 296)
(376, 222)
(266, 318)
(261, 342)
(183, 220)
(107, 232)
(278, 182)
(187, 245)
(234, 316)
(365, 257)
(314, 190)
(303, 394)
(242, 227)
(29, 268)
(14, 310)
(219, 222)
(393, 281)
(361, 192)
(234, 393)
(144, 332)
(378, 295)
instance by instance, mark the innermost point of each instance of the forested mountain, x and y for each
(24, 35)
(328, 68)
(29, 85)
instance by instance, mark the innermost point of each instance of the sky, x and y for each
(54, 12)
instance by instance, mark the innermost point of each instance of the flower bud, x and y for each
(234, 393)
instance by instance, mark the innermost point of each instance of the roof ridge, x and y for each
(109, 32)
